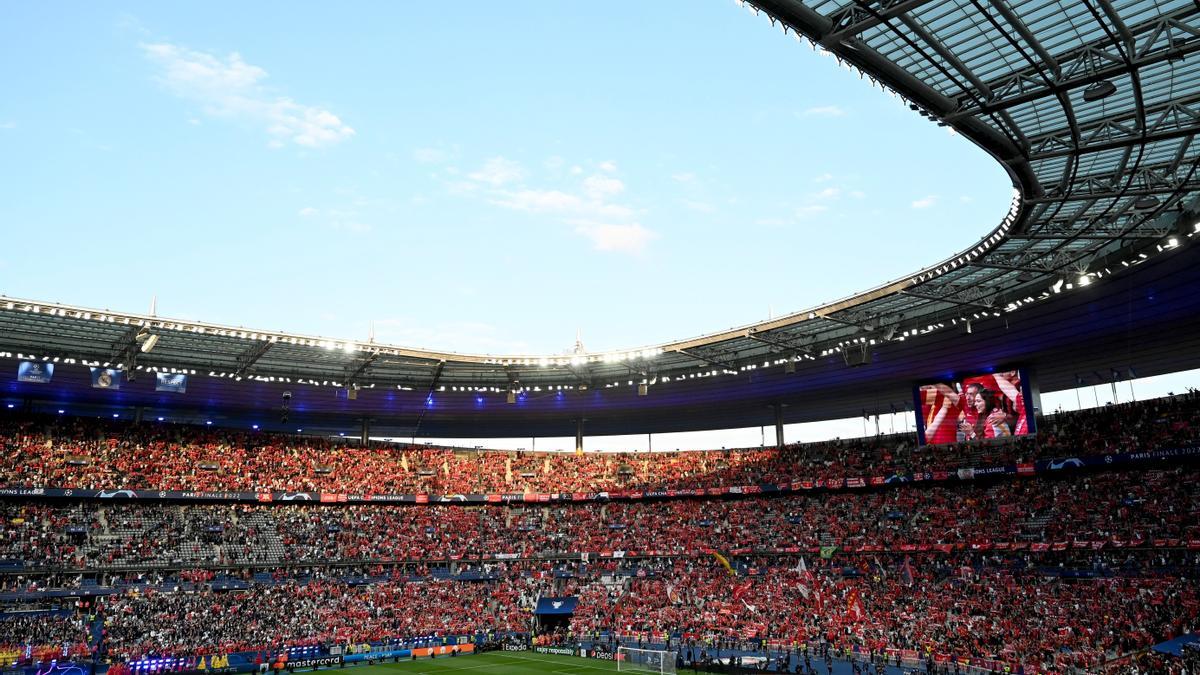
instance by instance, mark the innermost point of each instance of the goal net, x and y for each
(645, 660)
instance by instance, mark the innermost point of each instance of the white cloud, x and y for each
(829, 193)
(600, 187)
(230, 88)
(539, 201)
(965, 199)
(702, 207)
(354, 226)
(8, 125)
(498, 171)
(925, 202)
(684, 177)
(772, 222)
(857, 194)
(341, 219)
(810, 210)
(430, 155)
(557, 202)
(584, 204)
(824, 111)
(623, 238)
(461, 187)
(823, 178)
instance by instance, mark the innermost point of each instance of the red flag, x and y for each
(854, 608)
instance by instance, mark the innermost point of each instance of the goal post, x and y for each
(645, 660)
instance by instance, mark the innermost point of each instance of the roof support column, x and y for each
(365, 438)
(579, 435)
(778, 409)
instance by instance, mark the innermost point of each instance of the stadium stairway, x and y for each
(1033, 529)
(267, 546)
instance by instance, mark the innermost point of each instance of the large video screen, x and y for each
(975, 408)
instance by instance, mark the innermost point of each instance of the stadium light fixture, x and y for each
(1085, 280)
(1058, 285)
(1099, 91)
(1146, 202)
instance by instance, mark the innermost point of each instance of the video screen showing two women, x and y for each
(974, 408)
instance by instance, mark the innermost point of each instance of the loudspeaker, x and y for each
(856, 355)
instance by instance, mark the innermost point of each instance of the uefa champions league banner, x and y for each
(106, 378)
(176, 383)
(33, 371)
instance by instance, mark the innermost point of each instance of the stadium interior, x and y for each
(160, 510)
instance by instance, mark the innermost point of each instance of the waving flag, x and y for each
(906, 572)
(724, 563)
(805, 584)
(854, 608)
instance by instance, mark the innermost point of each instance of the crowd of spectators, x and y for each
(1019, 619)
(49, 634)
(292, 614)
(1151, 663)
(1152, 508)
(932, 605)
(108, 454)
(1049, 571)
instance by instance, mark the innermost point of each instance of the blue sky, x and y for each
(483, 177)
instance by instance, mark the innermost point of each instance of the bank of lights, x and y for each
(1085, 279)
(580, 359)
(1060, 285)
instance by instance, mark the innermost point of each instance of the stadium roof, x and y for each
(1091, 106)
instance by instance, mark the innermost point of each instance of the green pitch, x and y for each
(519, 663)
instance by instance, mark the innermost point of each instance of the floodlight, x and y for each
(149, 343)
(1099, 90)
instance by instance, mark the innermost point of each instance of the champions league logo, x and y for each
(1073, 462)
(117, 494)
(32, 371)
(296, 497)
